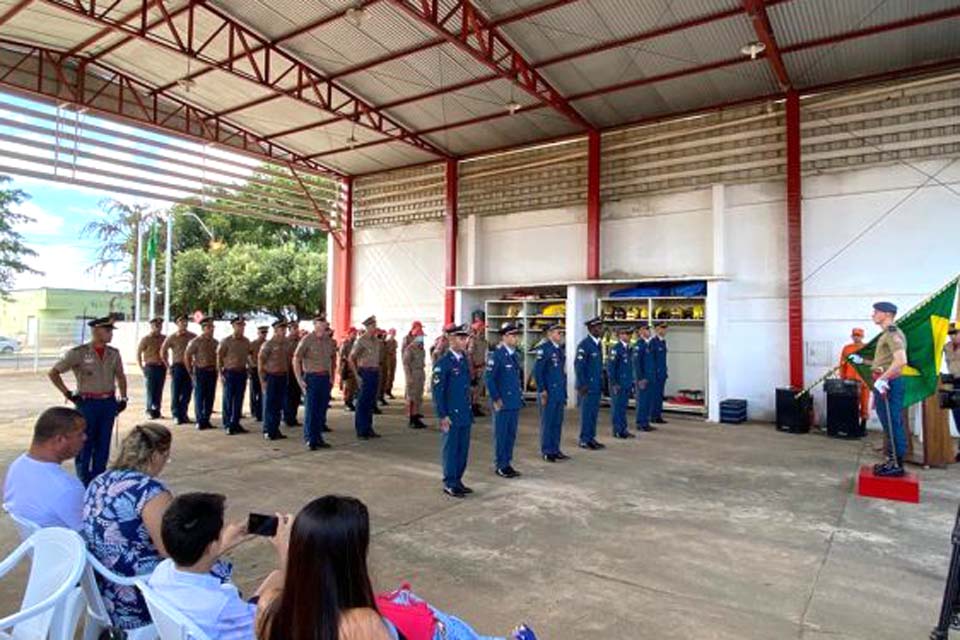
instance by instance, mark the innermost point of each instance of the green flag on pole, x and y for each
(925, 327)
(153, 240)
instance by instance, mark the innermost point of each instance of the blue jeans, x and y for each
(234, 385)
(551, 426)
(453, 628)
(504, 436)
(99, 414)
(618, 410)
(363, 417)
(204, 394)
(455, 449)
(154, 376)
(589, 411)
(256, 396)
(890, 411)
(315, 407)
(273, 398)
(643, 405)
(180, 391)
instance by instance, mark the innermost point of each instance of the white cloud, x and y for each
(67, 266)
(44, 223)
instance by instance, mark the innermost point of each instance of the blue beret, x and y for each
(885, 307)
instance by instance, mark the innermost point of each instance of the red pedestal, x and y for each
(905, 488)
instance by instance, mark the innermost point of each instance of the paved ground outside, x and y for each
(696, 531)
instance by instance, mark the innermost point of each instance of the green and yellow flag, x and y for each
(153, 240)
(925, 327)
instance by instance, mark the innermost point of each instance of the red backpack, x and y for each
(408, 613)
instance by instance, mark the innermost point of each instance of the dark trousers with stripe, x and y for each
(181, 388)
(273, 398)
(99, 414)
(504, 436)
(363, 418)
(204, 393)
(154, 376)
(589, 411)
(234, 385)
(454, 452)
(551, 426)
(315, 407)
(256, 396)
(291, 403)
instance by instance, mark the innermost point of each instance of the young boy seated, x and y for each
(194, 537)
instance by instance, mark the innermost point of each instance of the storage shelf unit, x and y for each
(530, 314)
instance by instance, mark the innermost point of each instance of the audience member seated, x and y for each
(37, 487)
(194, 536)
(327, 595)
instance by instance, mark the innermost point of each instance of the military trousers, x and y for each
(154, 375)
(659, 385)
(890, 410)
(181, 388)
(204, 394)
(363, 417)
(504, 436)
(291, 403)
(99, 414)
(315, 407)
(454, 452)
(234, 385)
(643, 406)
(551, 426)
(589, 411)
(256, 396)
(274, 394)
(618, 410)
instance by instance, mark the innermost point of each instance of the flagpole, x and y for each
(167, 272)
(137, 274)
(153, 287)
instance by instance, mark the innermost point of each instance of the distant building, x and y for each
(57, 317)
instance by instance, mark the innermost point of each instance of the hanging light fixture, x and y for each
(753, 49)
(186, 82)
(356, 14)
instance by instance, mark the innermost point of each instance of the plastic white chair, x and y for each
(51, 602)
(170, 622)
(25, 528)
(97, 619)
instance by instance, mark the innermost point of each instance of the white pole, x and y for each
(136, 289)
(167, 273)
(153, 288)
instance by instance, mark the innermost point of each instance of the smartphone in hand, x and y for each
(259, 524)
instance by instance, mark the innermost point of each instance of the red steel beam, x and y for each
(450, 238)
(593, 205)
(344, 265)
(11, 13)
(481, 40)
(269, 65)
(761, 24)
(794, 242)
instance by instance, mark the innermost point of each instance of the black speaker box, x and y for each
(794, 414)
(843, 416)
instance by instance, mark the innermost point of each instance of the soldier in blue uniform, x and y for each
(550, 374)
(452, 401)
(658, 345)
(643, 373)
(588, 368)
(620, 375)
(504, 382)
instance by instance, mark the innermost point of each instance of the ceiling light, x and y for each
(355, 15)
(753, 49)
(351, 142)
(187, 83)
(513, 106)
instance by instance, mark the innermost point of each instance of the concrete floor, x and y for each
(698, 530)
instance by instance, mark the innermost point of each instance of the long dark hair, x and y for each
(326, 571)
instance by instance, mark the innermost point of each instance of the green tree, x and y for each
(13, 251)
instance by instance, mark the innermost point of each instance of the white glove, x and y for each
(882, 386)
(855, 359)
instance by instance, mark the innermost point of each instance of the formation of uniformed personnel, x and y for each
(889, 387)
(291, 404)
(200, 358)
(273, 366)
(504, 383)
(313, 367)
(451, 399)
(848, 372)
(644, 372)
(658, 344)
(620, 376)
(477, 348)
(414, 359)
(98, 370)
(951, 353)
(232, 357)
(588, 369)
(348, 379)
(151, 364)
(550, 375)
(365, 361)
(389, 372)
(181, 384)
(256, 391)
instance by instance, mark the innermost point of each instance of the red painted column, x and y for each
(450, 237)
(794, 242)
(344, 266)
(593, 205)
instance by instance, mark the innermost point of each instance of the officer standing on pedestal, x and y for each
(232, 356)
(644, 370)
(151, 364)
(256, 391)
(273, 366)
(451, 397)
(98, 370)
(365, 360)
(550, 374)
(200, 359)
(658, 345)
(313, 363)
(181, 385)
(620, 376)
(889, 387)
(414, 359)
(504, 383)
(588, 368)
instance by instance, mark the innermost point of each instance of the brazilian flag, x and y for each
(925, 327)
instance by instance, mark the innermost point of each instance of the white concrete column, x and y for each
(470, 239)
(716, 309)
(330, 294)
(581, 306)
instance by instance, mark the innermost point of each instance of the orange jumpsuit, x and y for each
(849, 372)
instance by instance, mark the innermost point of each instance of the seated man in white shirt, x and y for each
(37, 488)
(194, 537)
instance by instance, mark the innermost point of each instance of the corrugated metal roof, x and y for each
(274, 18)
(44, 25)
(526, 126)
(393, 154)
